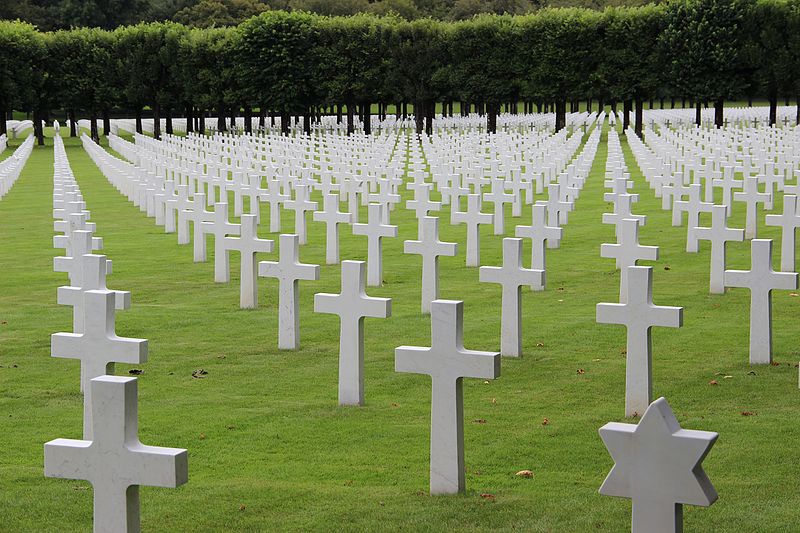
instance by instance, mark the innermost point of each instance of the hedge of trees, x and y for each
(299, 64)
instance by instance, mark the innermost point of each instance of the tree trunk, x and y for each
(73, 126)
(93, 128)
(169, 129)
(106, 122)
(419, 117)
(797, 111)
(614, 107)
(351, 127)
(429, 116)
(139, 119)
(638, 124)
(561, 115)
(262, 117)
(405, 110)
(626, 112)
(719, 112)
(221, 117)
(367, 107)
(3, 125)
(156, 121)
(491, 118)
(38, 130)
(201, 125)
(672, 103)
(285, 123)
(307, 122)
(189, 110)
(248, 119)
(773, 104)
(698, 113)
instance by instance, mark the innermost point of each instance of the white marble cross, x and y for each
(275, 198)
(332, 217)
(97, 347)
(473, 218)
(288, 270)
(422, 204)
(114, 461)
(248, 245)
(511, 276)
(658, 465)
(761, 280)
(300, 205)
(92, 277)
(693, 207)
(81, 245)
(639, 315)
(719, 234)
(375, 230)
(788, 221)
(447, 362)
(430, 248)
(499, 197)
(200, 216)
(751, 197)
(352, 305)
(540, 235)
(627, 252)
(557, 210)
(622, 211)
(221, 228)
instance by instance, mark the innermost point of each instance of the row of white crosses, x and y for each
(110, 455)
(657, 463)
(11, 167)
(761, 279)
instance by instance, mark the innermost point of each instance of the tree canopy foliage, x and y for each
(298, 63)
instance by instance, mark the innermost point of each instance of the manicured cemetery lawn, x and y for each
(270, 450)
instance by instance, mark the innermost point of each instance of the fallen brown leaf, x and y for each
(747, 413)
(581, 371)
(545, 421)
(136, 371)
(487, 496)
(202, 436)
(525, 473)
(713, 382)
(480, 420)
(199, 373)
(242, 507)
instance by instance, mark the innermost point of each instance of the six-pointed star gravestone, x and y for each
(447, 362)
(639, 315)
(761, 280)
(352, 305)
(658, 466)
(113, 460)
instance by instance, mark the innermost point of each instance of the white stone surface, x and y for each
(114, 461)
(430, 248)
(627, 252)
(447, 362)
(352, 305)
(639, 315)
(511, 276)
(658, 465)
(375, 230)
(693, 207)
(751, 197)
(332, 217)
(300, 205)
(221, 228)
(499, 198)
(788, 221)
(540, 235)
(761, 280)
(248, 245)
(288, 270)
(719, 234)
(98, 346)
(473, 218)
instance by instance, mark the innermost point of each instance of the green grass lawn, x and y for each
(270, 450)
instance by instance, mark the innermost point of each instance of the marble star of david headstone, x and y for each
(761, 280)
(447, 362)
(288, 270)
(92, 277)
(788, 221)
(221, 228)
(375, 230)
(114, 461)
(511, 276)
(719, 234)
(430, 248)
(248, 245)
(352, 305)
(658, 465)
(627, 252)
(639, 315)
(332, 217)
(97, 347)
(541, 235)
(473, 218)
(751, 197)
(499, 197)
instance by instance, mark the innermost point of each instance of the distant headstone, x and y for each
(473, 218)
(248, 245)
(719, 234)
(375, 230)
(788, 221)
(332, 217)
(430, 248)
